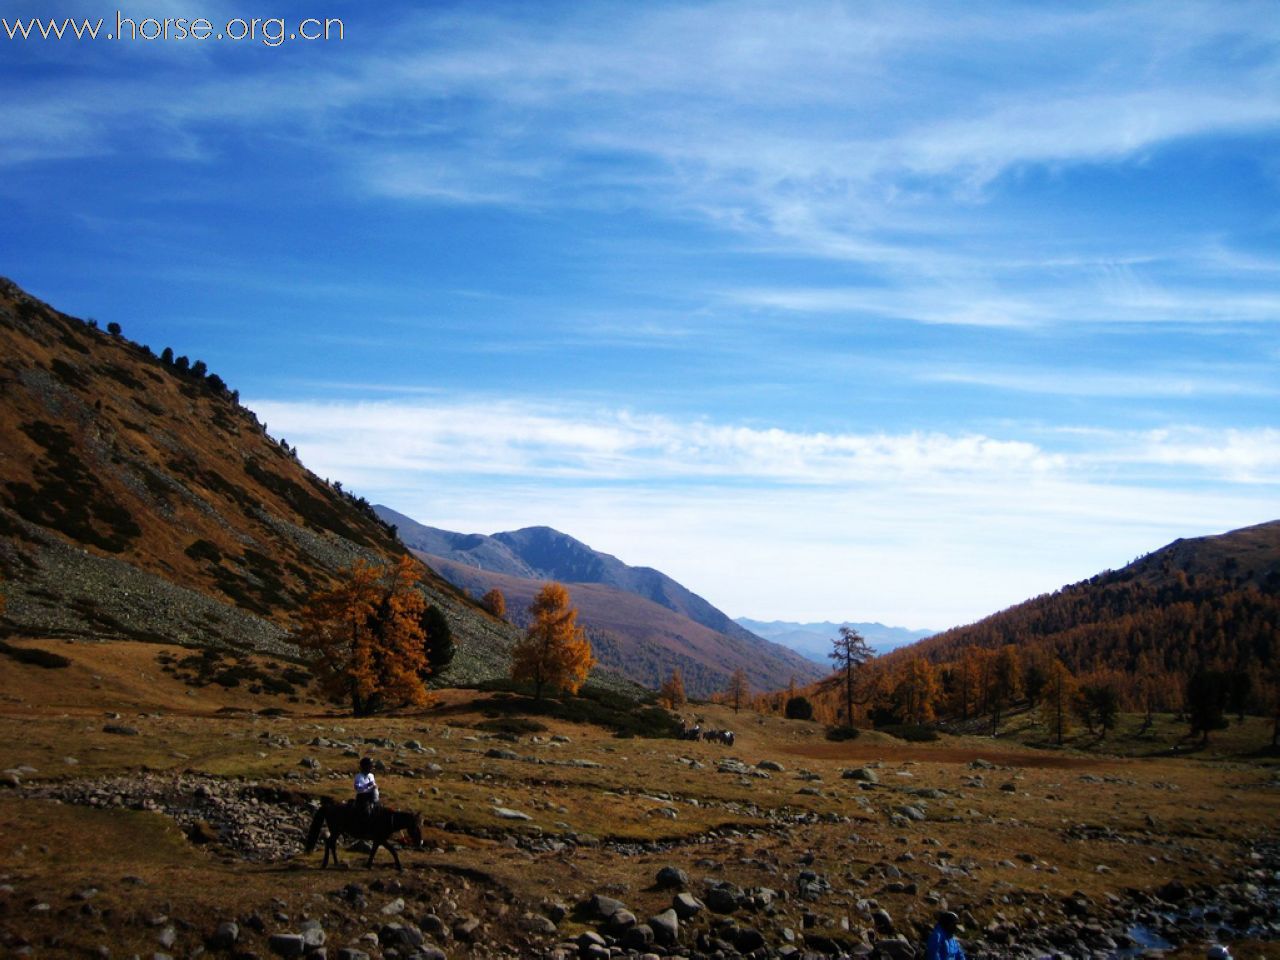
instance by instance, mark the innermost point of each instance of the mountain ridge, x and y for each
(676, 624)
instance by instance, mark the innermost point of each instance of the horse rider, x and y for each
(366, 789)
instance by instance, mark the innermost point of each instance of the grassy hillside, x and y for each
(139, 499)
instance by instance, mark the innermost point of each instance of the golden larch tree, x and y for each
(916, 690)
(739, 689)
(366, 632)
(966, 678)
(495, 603)
(1005, 683)
(1056, 699)
(555, 651)
(672, 692)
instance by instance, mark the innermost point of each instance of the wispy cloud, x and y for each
(512, 438)
(870, 518)
(1132, 384)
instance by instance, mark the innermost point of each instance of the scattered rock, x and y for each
(225, 937)
(672, 877)
(287, 944)
(665, 927)
(505, 813)
(686, 905)
(603, 907)
(400, 936)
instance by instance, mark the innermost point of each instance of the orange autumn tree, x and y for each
(672, 691)
(915, 690)
(555, 651)
(1056, 700)
(495, 603)
(739, 689)
(367, 635)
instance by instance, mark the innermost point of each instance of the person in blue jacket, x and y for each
(943, 944)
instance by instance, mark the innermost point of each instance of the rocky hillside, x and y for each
(139, 499)
(640, 621)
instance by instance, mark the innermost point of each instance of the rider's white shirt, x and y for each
(366, 783)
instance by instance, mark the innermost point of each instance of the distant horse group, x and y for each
(346, 819)
(707, 736)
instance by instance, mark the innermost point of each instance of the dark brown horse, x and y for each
(347, 819)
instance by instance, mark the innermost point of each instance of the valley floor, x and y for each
(144, 813)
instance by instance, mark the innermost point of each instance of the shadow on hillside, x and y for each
(625, 716)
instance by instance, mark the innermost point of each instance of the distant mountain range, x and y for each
(641, 621)
(813, 640)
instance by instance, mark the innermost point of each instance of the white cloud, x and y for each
(508, 438)
(919, 529)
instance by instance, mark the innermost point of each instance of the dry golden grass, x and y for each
(1056, 829)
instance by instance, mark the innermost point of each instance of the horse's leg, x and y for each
(376, 844)
(395, 856)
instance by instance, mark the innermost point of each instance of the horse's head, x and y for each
(415, 829)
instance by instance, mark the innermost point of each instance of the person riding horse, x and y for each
(366, 790)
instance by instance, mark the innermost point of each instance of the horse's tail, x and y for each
(313, 835)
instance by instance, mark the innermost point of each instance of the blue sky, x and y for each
(869, 311)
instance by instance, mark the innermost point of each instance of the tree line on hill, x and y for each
(978, 687)
(197, 373)
(1143, 636)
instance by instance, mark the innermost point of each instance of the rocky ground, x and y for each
(160, 833)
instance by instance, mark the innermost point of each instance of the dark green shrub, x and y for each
(626, 717)
(203, 550)
(913, 732)
(515, 725)
(843, 733)
(799, 708)
(440, 648)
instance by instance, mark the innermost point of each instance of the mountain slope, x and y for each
(639, 638)
(641, 621)
(542, 553)
(813, 640)
(139, 499)
(1211, 600)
